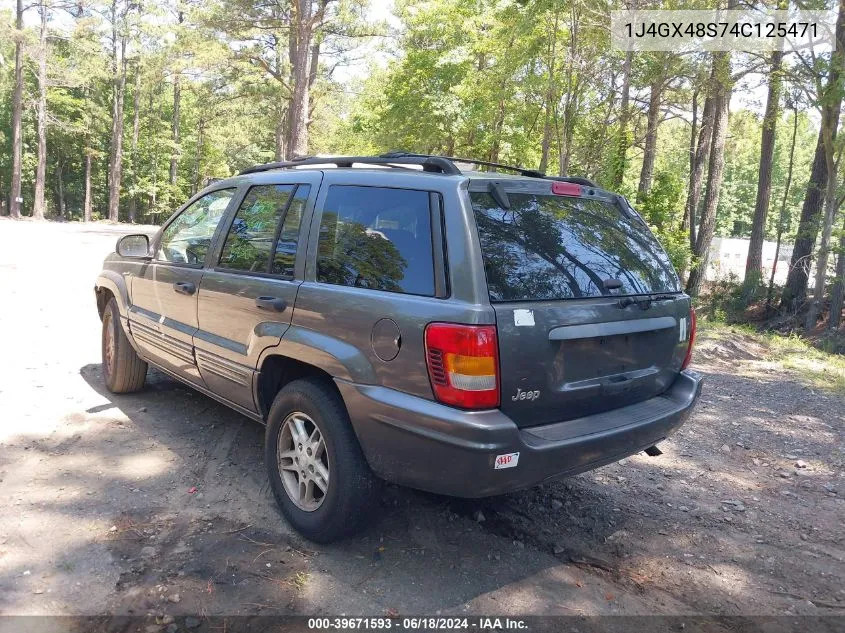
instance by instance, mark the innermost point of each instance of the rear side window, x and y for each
(559, 247)
(263, 236)
(379, 238)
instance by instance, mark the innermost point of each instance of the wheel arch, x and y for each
(276, 371)
(111, 284)
(306, 353)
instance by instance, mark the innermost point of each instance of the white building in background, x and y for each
(728, 256)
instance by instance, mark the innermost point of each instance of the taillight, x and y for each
(692, 327)
(463, 364)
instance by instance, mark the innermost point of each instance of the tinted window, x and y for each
(289, 235)
(379, 238)
(253, 232)
(558, 247)
(187, 238)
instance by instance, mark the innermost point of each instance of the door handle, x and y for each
(274, 304)
(185, 287)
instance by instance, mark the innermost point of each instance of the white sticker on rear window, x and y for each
(508, 460)
(523, 318)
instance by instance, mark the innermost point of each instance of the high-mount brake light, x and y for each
(566, 189)
(463, 364)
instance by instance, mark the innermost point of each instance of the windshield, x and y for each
(559, 247)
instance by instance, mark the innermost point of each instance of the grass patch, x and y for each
(816, 368)
(299, 580)
(66, 566)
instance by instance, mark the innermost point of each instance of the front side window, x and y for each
(265, 230)
(285, 251)
(379, 238)
(250, 240)
(186, 239)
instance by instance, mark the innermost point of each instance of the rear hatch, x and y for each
(589, 310)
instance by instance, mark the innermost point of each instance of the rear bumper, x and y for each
(422, 444)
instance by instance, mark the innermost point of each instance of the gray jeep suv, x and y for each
(401, 318)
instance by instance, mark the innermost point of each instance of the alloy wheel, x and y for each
(303, 461)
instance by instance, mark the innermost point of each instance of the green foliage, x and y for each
(724, 301)
(229, 110)
(663, 208)
(474, 79)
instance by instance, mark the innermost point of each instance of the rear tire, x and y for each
(319, 476)
(123, 370)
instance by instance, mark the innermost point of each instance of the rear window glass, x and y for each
(559, 247)
(379, 238)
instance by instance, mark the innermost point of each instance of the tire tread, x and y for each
(130, 369)
(357, 496)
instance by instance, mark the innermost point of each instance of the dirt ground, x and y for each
(743, 514)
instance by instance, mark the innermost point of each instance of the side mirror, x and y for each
(136, 246)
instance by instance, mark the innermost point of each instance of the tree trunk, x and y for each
(647, 171)
(702, 156)
(174, 131)
(301, 64)
(17, 110)
(136, 123)
(721, 103)
(551, 98)
(830, 206)
(60, 190)
(119, 88)
(570, 107)
(281, 127)
(153, 203)
(570, 103)
(795, 291)
(782, 215)
(754, 263)
(41, 167)
(86, 212)
(497, 132)
(621, 159)
(838, 293)
(195, 181)
(314, 67)
(685, 222)
(312, 79)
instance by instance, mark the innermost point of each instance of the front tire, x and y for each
(319, 476)
(123, 370)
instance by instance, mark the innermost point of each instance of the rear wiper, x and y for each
(644, 302)
(499, 195)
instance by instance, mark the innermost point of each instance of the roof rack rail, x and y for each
(533, 173)
(577, 180)
(429, 163)
(522, 171)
